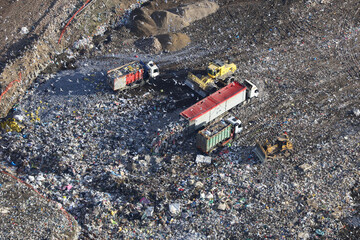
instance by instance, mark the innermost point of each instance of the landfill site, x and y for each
(166, 119)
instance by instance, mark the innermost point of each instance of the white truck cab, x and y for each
(152, 69)
(236, 123)
(252, 90)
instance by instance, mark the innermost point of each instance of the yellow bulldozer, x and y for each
(282, 147)
(219, 74)
(220, 70)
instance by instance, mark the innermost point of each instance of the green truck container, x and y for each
(217, 134)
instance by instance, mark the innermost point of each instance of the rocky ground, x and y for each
(91, 149)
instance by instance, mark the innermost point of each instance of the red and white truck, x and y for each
(208, 109)
(131, 75)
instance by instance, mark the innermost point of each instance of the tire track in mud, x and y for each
(327, 66)
(347, 45)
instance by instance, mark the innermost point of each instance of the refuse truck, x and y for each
(131, 75)
(218, 134)
(210, 108)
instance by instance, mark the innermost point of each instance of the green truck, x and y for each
(218, 134)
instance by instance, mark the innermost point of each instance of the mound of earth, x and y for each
(173, 41)
(149, 45)
(143, 24)
(168, 22)
(148, 22)
(196, 11)
(164, 42)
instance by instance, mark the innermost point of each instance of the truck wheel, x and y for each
(142, 83)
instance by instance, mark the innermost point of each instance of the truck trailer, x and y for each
(219, 133)
(131, 75)
(208, 109)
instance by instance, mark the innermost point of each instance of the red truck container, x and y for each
(134, 72)
(203, 112)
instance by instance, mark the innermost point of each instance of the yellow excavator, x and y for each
(282, 147)
(218, 73)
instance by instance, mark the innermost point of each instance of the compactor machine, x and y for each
(219, 74)
(282, 147)
(220, 70)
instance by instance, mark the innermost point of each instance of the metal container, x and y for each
(208, 138)
(120, 77)
(211, 107)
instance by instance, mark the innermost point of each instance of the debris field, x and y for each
(94, 151)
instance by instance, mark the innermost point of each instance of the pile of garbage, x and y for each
(25, 212)
(114, 161)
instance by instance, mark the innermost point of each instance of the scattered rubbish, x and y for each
(40, 178)
(319, 232)
(24, 30)
(11, 125)
(19, 118)
(68, 187)
(223, 206)
(85, 42)
(119, 163)
(175, 208)
(144, 201)
(203, 159)
(356, 112)
(149, 212)
(305, 166)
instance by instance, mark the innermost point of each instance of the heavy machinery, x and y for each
(218, 134)
(219, 74)
(131, 75)
(282, 147)
(220, 70)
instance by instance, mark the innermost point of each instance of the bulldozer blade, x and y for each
(260, 152)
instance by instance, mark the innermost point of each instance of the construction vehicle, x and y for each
(282, 147)
(218, 134)
(219, 74)
(131, 75)
(210, 108)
